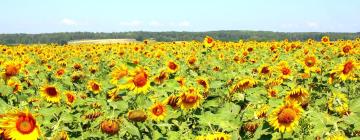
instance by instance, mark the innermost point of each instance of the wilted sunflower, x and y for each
(297, 95)
(51, 93)
(139, 82)
(285, 117)
(19, 125)
(94, 86)
(190, 99)
(172, 67)
(157, 111)
(338, 103)
(347, 70)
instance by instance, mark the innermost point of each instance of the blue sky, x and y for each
(44, 16)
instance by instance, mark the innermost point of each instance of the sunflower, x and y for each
(346, 49)
(273, 82)
(15, 84)
(11, 68)
(265, 70)
(337, 136)
(161, 77)
(209, 41)
(119, 73)
(262, 112)
(325, 40)
(181, 81)
(347, 70)
(19, 125)
(310, 64)
(272, 92)
(94, 86)
(158, 111)
(338, 103)
(172, 101)
(298, 95)
(51, 93)
(60, 72)
(62, 135)
(215, 136)
(190, 100)
(172, 67)
(242, 85)
(191, 60)
(284, 69)
(285, 117)
(70, 97)
(139, 82)
(203, 82)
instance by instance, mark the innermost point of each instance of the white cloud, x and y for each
(69, 22)
(134, 23)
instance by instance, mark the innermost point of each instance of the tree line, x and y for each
(64, 37)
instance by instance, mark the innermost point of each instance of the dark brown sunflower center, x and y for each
(285, 71)
(347, 67)
(51, 91)
(95, 87)
(25, 124)
(158, 110)
(60, 72)
(346, 49)
(172, 65)
(70, 98)
(325, 39)
(140, 80)
(265, 70)
(190, 99)
(286, 116)
(202, 83)
(11, 70)
(209, 40)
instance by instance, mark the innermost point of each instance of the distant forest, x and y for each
(63, 38)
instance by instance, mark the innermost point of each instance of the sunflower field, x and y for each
(210, 90)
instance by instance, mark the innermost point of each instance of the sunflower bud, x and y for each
(137, 115)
